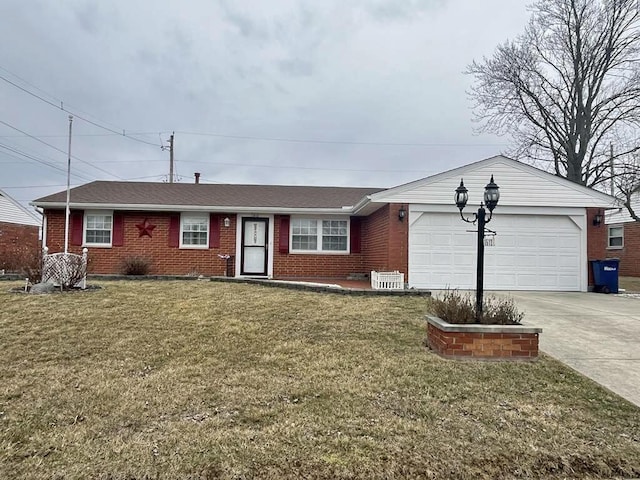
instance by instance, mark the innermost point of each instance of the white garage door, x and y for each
(531, 252)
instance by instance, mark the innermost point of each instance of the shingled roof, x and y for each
(146, 194)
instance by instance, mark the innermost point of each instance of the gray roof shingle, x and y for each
(209, 195)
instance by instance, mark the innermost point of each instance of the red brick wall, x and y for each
(383, 247)
(386, 241)
(629, 254)
(596, 240)
(164, 260)
(18, 243)
(483, 346)
(375, 241)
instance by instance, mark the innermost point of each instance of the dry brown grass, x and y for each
(213, 380)
(630, 284)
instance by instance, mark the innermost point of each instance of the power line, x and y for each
(35, 186)
(59, 150)
(74, 113)
(85, 135)
(307, 168)
(340, 142)
(39, 160)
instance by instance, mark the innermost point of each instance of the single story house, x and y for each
(545, 234)
(19, 233)
(623, 238)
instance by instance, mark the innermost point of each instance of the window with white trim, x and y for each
(98, 228)
(616, 237)
(194, 231)
(315, 235)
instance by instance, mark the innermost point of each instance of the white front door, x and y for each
(255, 250)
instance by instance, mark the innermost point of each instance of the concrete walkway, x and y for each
(596, 334)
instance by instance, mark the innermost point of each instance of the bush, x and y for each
(460, 308)
(26, 261)
(135, 265)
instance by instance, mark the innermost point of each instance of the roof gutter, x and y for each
(347, 210)
(361, 204)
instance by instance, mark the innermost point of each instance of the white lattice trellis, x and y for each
(65, 269)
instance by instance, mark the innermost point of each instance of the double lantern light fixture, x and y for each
(491, 197)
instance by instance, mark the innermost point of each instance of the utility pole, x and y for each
(613, 190)
(171, 157)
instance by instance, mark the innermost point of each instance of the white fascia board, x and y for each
(366, 206)
(362, 203)
(197, 208)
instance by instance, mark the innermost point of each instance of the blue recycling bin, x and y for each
(605, 275)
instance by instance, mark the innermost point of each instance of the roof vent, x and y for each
(197, 175)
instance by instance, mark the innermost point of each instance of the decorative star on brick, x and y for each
(145, 228)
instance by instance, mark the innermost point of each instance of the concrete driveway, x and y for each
(596, 334)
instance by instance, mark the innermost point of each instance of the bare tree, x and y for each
(567, 89)
(627, 184)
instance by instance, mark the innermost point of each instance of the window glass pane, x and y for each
(194, 238)
(334, 227)
(304, 226)
(334, 235)
(319, 235)
(195, 230)
(304, 242)
(98, 236)
(192, 225)
(304, 234)
(334, 243)
(98, 229)
(615, 242)
(615, 236)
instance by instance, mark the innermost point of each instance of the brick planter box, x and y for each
(482, 342)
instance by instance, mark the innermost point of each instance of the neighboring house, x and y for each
(623, 239)
(19, 233)
(545, 234)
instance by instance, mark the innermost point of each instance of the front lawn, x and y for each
(214, 380)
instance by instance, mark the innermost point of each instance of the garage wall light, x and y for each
(402, 213)
(227, 222)
(597, 219)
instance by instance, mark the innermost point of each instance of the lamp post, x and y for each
(491, 197)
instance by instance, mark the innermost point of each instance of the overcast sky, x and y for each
(317, 92)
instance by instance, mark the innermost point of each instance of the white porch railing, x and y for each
(387, 280)
(66, 269)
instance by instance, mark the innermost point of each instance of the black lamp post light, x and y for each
(491, 197)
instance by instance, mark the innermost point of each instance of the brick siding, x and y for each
(386, 241)
(596, 240)
(164, 260)
(483, 346)
(18, 243)
(629, 254)
(383, 247)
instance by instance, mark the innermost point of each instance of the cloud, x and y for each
(364, 75)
